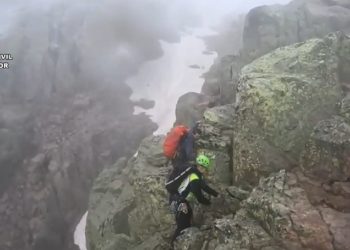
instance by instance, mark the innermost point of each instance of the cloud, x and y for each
(104, 41)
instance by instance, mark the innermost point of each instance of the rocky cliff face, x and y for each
(269, 27)
(128, 206)
(125, 204)
(47, 188)
(280, 159)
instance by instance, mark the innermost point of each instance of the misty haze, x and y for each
(154, 124)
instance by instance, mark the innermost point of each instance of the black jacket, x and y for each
(196, 187)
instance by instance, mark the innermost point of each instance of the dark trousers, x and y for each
(183, 219)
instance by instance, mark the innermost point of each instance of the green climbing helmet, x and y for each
(203, 161)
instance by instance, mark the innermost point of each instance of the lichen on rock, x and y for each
(281, 97)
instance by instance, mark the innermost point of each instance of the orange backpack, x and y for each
(172, 140)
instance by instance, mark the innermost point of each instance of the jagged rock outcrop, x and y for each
(269, 27)
(128, 204)
(276, 215)
(142, 220)
(281, 97)
(221, 78)
(113, 199)
(216, 130)
(190, 108)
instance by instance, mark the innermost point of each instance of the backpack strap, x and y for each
(187, 170)
(179, 147)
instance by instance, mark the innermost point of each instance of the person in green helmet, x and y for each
(192, 186)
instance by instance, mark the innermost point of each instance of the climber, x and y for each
(186, 152)
(191, 186)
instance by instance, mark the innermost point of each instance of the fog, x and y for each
(130, 49)
(93, 45)
(113, 37)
